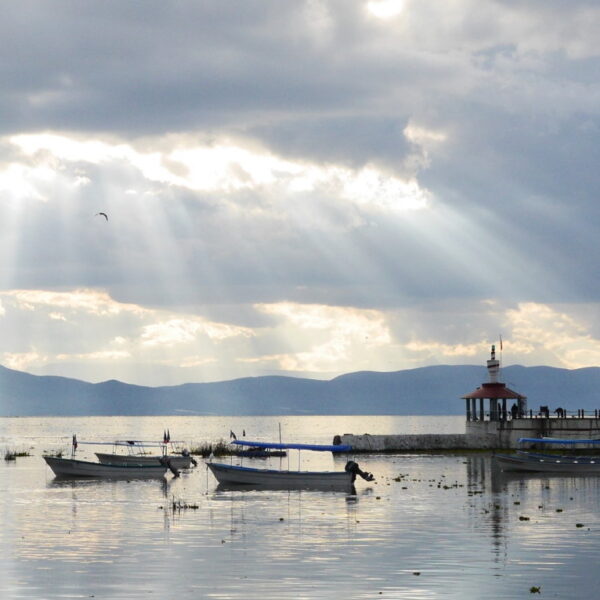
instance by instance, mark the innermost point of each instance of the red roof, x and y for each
(496, 391)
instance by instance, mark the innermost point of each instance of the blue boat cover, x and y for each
(316, 447)
(557, 441)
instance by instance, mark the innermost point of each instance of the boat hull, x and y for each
(69, 467)
(274, 479)
(260, 453)
(564, 465)
(177, 461)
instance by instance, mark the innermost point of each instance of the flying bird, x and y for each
(102, 214)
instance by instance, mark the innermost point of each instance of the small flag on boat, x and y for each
(232, 435)
(74, 442)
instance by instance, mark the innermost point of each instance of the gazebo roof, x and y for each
(494, 391)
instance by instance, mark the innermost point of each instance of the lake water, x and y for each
(430, 526)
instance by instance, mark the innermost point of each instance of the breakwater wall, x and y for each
(480, 435)
(417, 442)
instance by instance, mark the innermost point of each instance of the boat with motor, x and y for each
(72, 467)
(231, 474)
(528, 461)
(137, 454)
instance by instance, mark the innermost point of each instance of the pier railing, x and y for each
(561, 413)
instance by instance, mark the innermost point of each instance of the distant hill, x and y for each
(434, 390)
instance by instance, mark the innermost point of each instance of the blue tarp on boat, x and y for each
(280, 446)
(556, 441)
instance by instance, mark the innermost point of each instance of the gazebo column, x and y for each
(474, 408)
(481, 411)
(504, 409)
(468, 409)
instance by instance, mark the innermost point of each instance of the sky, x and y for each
(304, 188)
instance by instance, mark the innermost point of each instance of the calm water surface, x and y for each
(431, 526)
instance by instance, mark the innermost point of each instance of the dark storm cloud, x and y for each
(150, 67)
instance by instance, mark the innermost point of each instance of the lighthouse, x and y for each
(497, 394)
(493, 366)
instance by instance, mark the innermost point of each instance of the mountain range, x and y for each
(433, 390)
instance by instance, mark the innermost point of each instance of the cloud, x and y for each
(181, 331)
(414, 172)
(552, 336)
(94, 329)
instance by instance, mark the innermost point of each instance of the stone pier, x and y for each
(479, 435)
(490, 423)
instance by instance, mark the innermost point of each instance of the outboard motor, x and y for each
(352, 467)
(186, 452)
(167, 462)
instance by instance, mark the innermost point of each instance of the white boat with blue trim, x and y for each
(230, 474)
(535, 462)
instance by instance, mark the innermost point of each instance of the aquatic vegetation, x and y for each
(14, 454)
(57, 454)
(178, 505)
(535, 589)
(220, 448)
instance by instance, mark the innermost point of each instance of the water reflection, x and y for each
(445, 526)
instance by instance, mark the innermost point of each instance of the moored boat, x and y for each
(178, 461)
(240, 475)
(550, 463)
(137, 456)
(71, 467)
(135, 452)
(287, 479)
(260, 453)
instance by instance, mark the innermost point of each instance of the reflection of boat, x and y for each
(285, 479)
(70, 467)
(550, 463)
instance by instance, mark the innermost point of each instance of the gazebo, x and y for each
(497, 394)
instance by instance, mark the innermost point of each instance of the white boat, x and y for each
(550, 463)
(230, 474)
(556, 464)
(71, 467)
(178, 461)
(135, 452)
